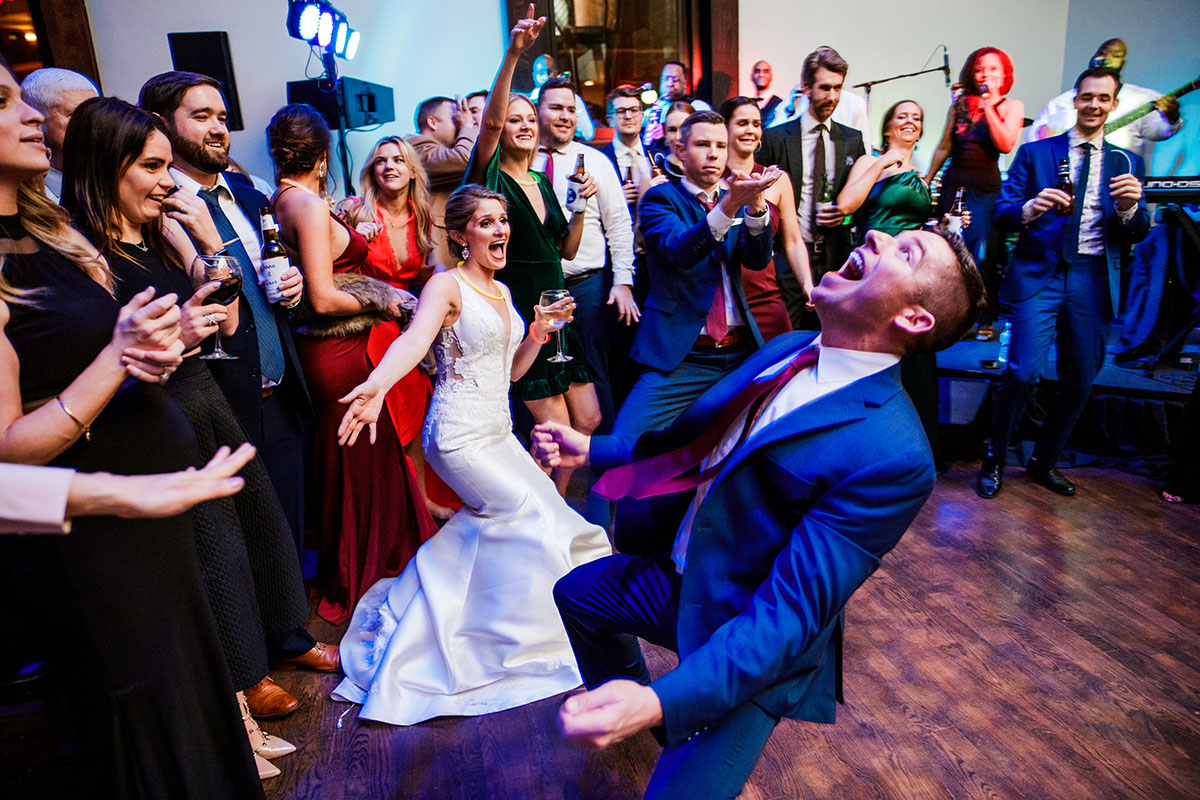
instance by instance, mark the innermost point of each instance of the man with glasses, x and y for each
(626, 151)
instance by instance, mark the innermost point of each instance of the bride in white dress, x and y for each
(470, 626)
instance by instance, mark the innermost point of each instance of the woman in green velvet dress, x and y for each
(541, 238)
(887, 193)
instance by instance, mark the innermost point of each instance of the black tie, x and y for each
(818, 169)
(270, 350)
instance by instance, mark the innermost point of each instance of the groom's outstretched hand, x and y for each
(559, 445)
(611, 712)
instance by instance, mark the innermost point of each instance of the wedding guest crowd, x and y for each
(493, 262)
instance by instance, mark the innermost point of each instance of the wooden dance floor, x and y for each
(1031, 646)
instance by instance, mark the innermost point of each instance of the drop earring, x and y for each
(466, 253)
(321, 170)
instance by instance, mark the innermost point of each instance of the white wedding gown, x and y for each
(470, 626)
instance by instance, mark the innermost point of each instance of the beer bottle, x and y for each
(1067, 185)
(577, 175)
(274, 258)
(957, 211)
(628, 175)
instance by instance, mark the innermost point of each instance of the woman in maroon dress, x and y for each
(744, 123)
(371, 513)
(395, 215)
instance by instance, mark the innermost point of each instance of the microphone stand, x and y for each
(868, 84)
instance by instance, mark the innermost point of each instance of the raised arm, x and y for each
(863, 176)
(1004, 121)
(943, 149)
(522, 37)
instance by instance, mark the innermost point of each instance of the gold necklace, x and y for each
(462, 273)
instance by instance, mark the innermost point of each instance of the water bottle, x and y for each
(1005, 338)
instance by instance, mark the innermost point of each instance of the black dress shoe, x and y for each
(990, 479)
(1051, 478)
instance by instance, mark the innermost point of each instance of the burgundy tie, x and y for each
(549, 170)
(715, 323)
(666, 473)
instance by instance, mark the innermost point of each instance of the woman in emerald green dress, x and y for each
(887, 193)
(541, 238)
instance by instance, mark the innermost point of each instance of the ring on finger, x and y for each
(210, 319)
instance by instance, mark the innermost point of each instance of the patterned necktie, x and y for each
(715, 323)
(270, 349)
(667, 473)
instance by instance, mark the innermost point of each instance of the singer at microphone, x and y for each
(981, 124)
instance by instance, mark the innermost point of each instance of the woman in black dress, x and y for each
(119, 601)
(247, 557)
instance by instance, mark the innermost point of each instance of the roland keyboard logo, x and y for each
(1162, 184)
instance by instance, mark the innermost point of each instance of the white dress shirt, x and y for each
(607, 227)
(34, 499)
(834, 369)
(246, 229)
(808, 187)
(1091, 215)
(634, 158)
(719, 224)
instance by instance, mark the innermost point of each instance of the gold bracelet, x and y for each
(87, 429)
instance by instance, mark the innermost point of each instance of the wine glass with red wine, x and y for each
(224, 269)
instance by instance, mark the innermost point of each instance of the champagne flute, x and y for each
(225, 269)
(556, 318)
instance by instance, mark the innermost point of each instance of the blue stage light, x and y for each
(325, 29)
(352, 45)
(310, 17)
(340, 37)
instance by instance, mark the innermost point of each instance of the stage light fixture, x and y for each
(352, 45)
(325, 28)
(649, 97)
(303, 17)
(342, 29)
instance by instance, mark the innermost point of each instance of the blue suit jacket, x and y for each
(1040, 245)
(611, 151)
(789, 529)
(681, 258)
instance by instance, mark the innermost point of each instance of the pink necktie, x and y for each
(549, 170)
(715, 323)
(666, 473)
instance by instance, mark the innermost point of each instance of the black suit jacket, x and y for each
(781, 145)
(241, 380)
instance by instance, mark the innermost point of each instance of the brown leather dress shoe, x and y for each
(321, 658)
(269, 700)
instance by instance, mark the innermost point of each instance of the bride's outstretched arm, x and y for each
(539, 334)
(439, 306)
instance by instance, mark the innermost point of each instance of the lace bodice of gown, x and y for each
(474, 359)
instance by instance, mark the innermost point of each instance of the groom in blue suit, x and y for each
(1065, 277)
(747, 570)
(696, 326)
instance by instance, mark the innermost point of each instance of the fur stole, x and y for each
(376, 298)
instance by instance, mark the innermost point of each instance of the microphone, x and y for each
(946, 63)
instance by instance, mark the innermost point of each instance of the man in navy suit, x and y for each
(746, 575)
(265, 385)
(696, 326)
(1065, 275)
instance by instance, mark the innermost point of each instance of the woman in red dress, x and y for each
(744, 123)
(372, 516)
(395, 215)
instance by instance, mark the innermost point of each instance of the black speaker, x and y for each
(365, 103)
(207, 52)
